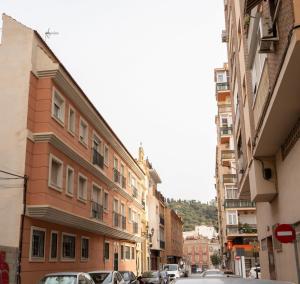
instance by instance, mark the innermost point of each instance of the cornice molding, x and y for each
(58, 216)
(72, 92)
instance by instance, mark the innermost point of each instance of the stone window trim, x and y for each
(53, 259)
(59, 186)
(31, 257)
(85, 189)
(64, 259)
(57, 95)
(69, 168)
(83, 139)
(70, 130)
(82, 258)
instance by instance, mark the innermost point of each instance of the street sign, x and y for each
(285, 233)
(237, 257)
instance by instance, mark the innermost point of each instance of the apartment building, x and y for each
(237, 217)
(77, 198)
(262, 39)
(198, 249)
(174, 237)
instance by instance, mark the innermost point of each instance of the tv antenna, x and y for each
(49, 33)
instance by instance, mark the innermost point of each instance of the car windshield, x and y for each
(126, 275)
(171, 267)
(150, 274)
(101, 277)
(62, 279)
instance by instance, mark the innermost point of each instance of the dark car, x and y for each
(154, 277)
(129, 277)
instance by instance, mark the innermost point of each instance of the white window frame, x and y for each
(106, 161)
(105, 206)
(61, 175)
(84, 140)
(81, 257)
(50, 248)
(62, 248)
(35, 258)
(71, 131)
(232, 212)
(67, 178)
(84, 198)
(56, 93)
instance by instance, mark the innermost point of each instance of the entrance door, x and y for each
(116, 261)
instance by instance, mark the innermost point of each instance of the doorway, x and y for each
(116, 261)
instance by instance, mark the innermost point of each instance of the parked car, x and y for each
(198, 270)
(252, 273)
(154, 277)
(67, 278)
(212, 273)
(129, 277)
(227, 280)
(172, 270)
(107, 277)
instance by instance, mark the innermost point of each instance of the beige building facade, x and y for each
(263, 53)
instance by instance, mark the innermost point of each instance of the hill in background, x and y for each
(195, 213)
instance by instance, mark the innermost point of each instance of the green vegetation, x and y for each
(215, 259)
(194, 213)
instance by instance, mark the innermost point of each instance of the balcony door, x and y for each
(96, 196)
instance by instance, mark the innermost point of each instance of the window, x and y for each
(231, 192)
(53, 245)
(129, 179)
(84, 248)
(38, 243)
(70, 181)
(122, 209)
(122, 252)
(82, 187)
(106, 250)
(83, 132)
(106, 155)
(55, 173)
(220, 78)
(105, 201)
(71, 122)
(96, 195)
(127, 252)
(58, 107)
(129, 214)
(132, 253)
(68, 246)
(232, 218)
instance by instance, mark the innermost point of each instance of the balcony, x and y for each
(229, 178)
(241, 230)
(161, 220)
(123, 218)
(97, 210)
(162, 244)
(227, 155)
(239, 204)
(225, 131)
(116, 219)
(116, 175)
(123, 181)
(134, 191)
(135, 227)
(222, 86)
(98, 159)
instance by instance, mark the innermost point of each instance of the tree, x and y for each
(215, 259)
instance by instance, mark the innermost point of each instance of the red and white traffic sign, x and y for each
(285, 233)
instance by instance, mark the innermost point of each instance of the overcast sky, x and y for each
(148, 66)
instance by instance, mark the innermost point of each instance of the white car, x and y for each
(172, 270)
(252, 273)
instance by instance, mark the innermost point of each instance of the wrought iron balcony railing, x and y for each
(225, 130)
(97, 210)
(222, 86)
(239, 204)
(241, 229)
(98, 159)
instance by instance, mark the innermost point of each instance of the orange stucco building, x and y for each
(83, 203)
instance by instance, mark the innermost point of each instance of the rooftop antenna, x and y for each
(49, 33)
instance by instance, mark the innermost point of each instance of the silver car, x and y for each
(67, 278)
(107, 277)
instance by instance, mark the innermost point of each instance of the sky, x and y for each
(148, 67)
